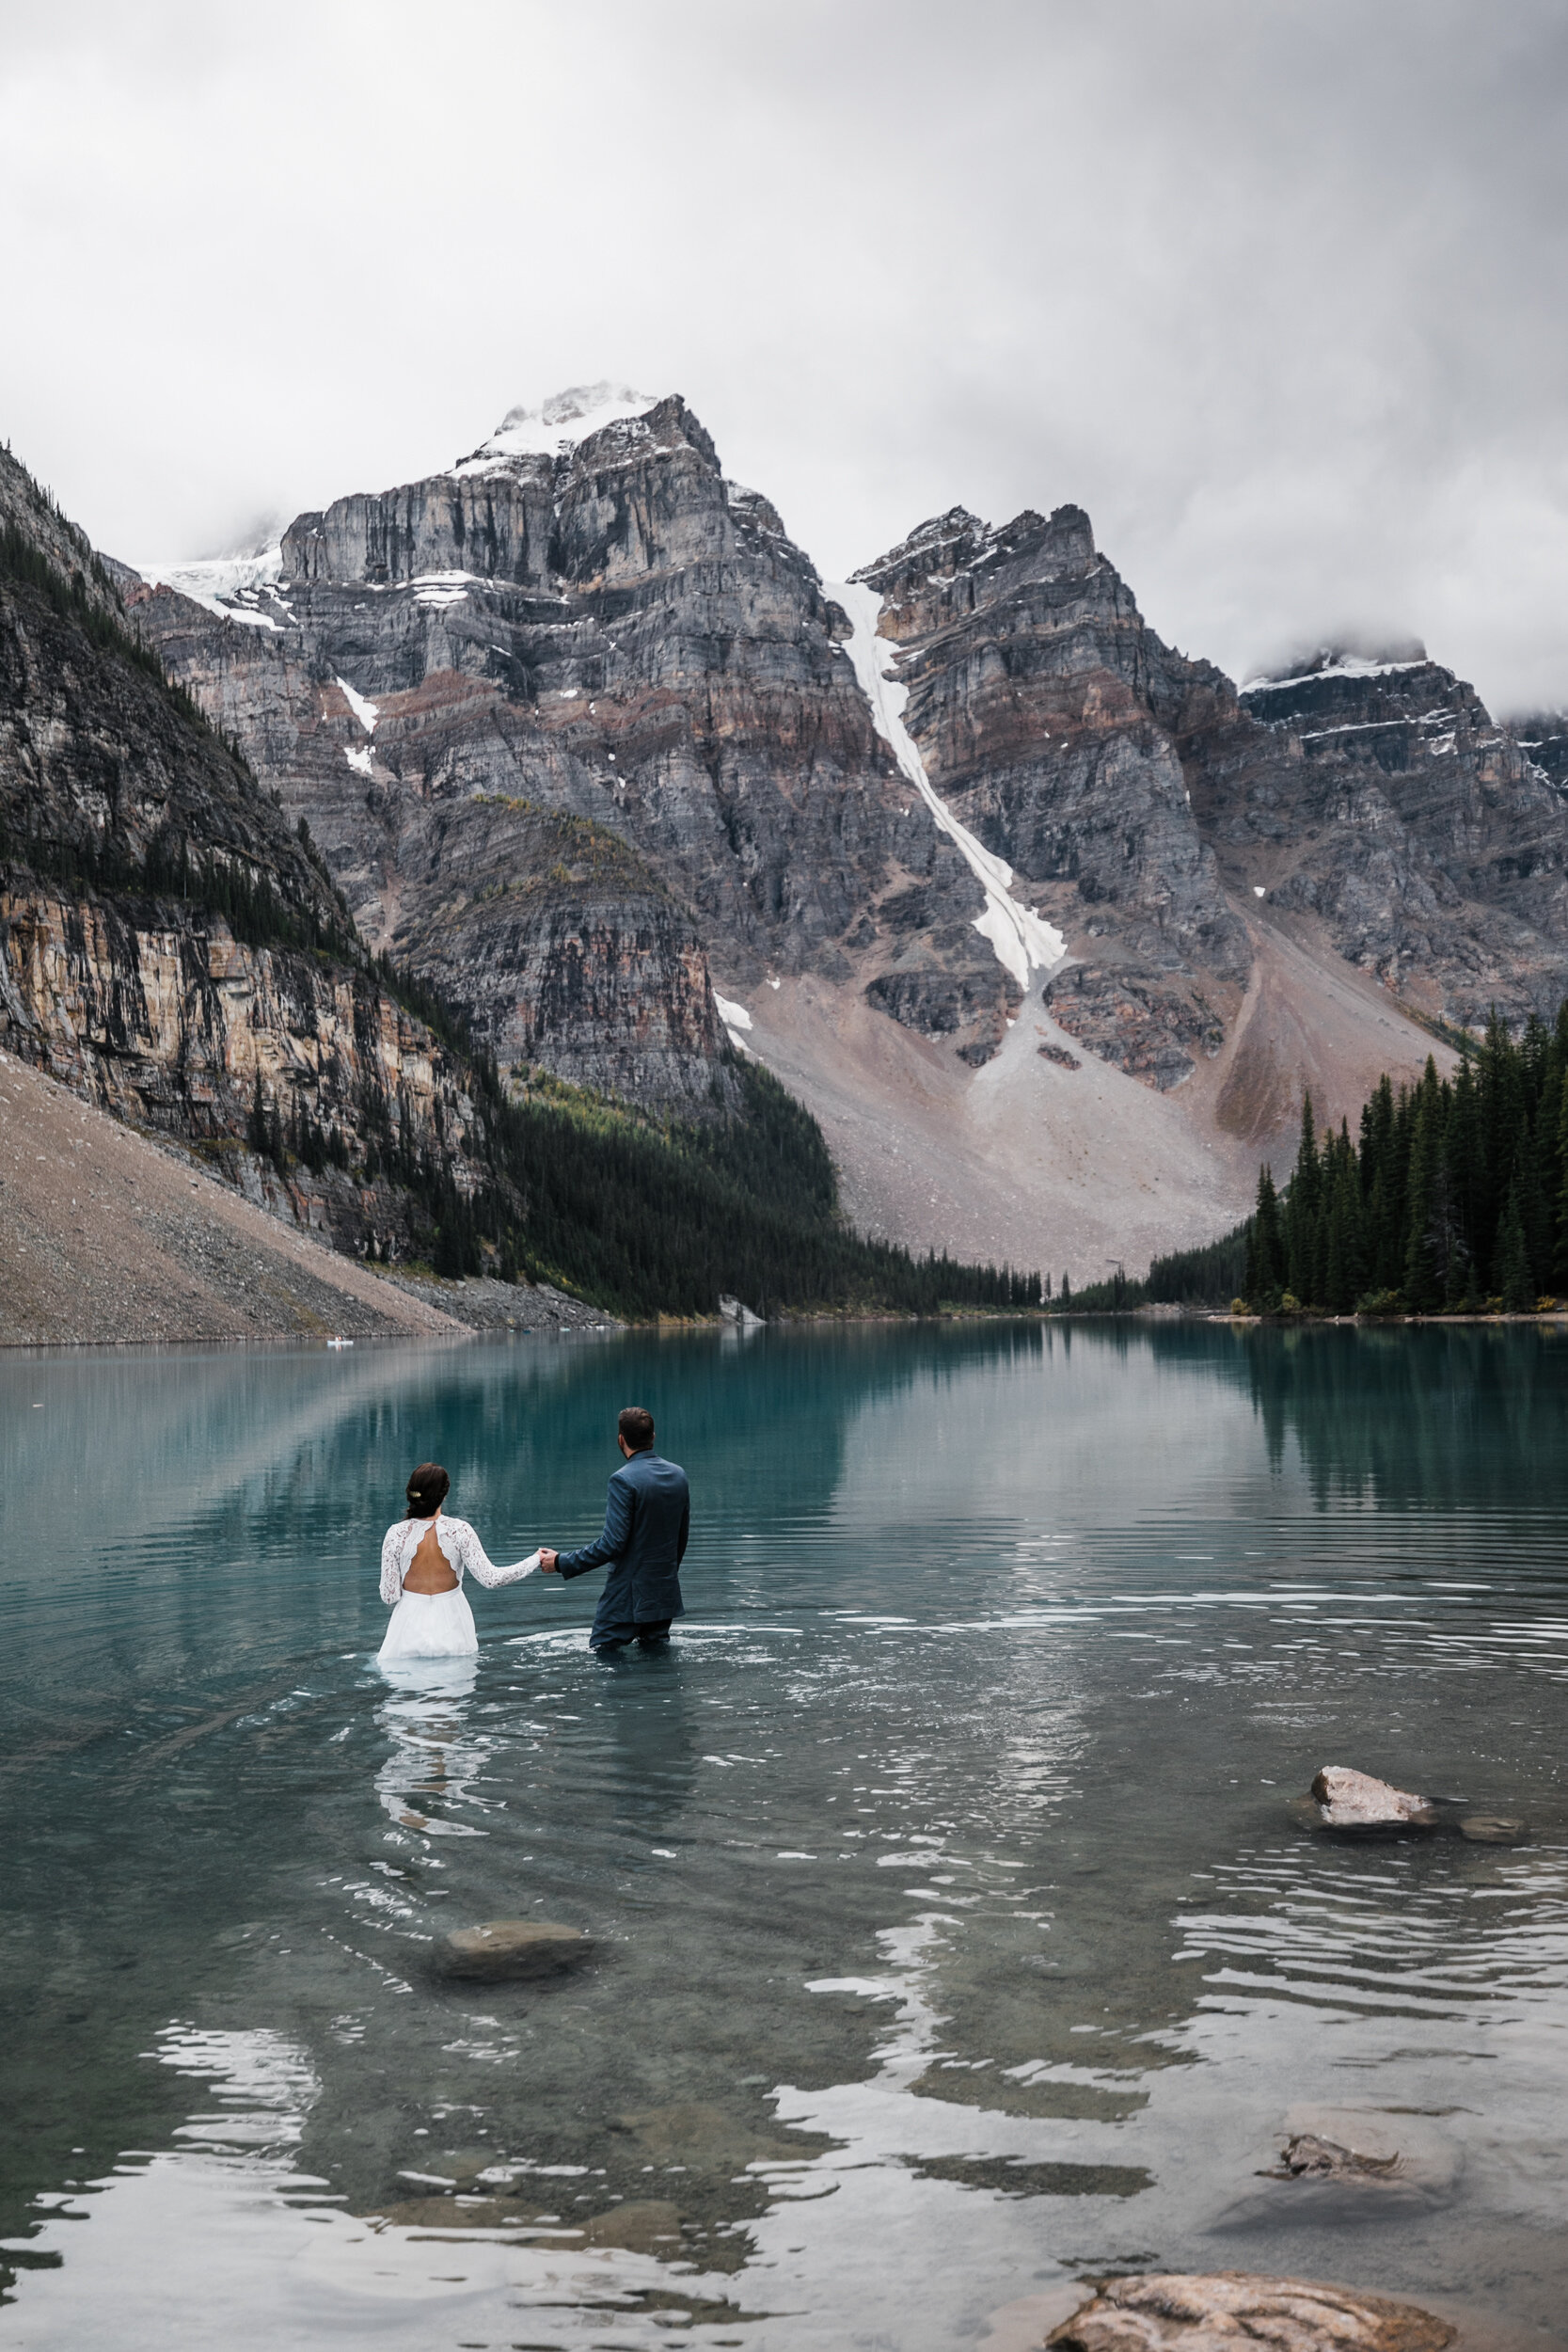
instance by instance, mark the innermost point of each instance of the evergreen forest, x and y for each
(652, 1219)
(1452, 1197)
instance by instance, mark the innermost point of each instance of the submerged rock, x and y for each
(511, 1947)
(1351, 1800)
(1308, 2152)
(647, 2226)
(1227, 2310)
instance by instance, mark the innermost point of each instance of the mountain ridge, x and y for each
(174, 950)
(597, 623)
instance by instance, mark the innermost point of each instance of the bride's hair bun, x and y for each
(427, 1489)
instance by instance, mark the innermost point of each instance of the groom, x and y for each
(647, 1520)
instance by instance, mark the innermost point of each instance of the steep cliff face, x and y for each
(1378, 803)
(1032, 681)
(578, 728)
(592, 621)
(169, 946)
(1544, 739)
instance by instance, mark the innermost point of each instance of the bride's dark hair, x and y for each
(427, 1490)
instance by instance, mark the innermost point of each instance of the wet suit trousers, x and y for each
(617, 1636)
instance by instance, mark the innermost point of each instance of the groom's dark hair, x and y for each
(636, 1425)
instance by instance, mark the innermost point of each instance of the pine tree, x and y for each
(1266, 1261)
(1301, 1211)
(1422, 1291)
(1559, 1258)
(1344, 1261)
(1535, 1208)
(1503, 1119)
(1514, 1267)
(1464, 1157)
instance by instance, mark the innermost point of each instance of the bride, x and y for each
(424, 1558)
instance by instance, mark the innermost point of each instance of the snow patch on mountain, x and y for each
(237, 587)
(557, 424)
(366, 712)
(1335, 664)
(1022, 942)
(440, 589)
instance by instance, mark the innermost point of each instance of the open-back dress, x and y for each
(437, 1625)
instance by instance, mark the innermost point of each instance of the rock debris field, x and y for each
(106, 1237)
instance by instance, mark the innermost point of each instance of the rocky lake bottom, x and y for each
(953, 1929)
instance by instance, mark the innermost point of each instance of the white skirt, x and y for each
(431, 1625)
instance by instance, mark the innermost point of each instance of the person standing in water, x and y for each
(646, 1522)
(424, 1557)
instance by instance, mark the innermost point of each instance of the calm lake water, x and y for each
(953, 1934)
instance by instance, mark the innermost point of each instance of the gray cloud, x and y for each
(1273, 290)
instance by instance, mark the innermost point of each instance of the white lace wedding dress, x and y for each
(437, 1625)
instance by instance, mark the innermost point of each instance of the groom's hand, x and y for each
(547, 1560)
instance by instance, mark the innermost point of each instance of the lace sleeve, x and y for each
(483, 1569)
(391, 1578)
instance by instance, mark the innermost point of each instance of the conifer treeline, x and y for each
(1454, 1196)
(645, 1218)
(661, 1219)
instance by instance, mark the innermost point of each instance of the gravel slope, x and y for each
(105, 1236)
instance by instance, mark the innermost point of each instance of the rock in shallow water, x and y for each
(511, 1947)
(1309, 2152)
(1228, 2311)
(1351, 1800)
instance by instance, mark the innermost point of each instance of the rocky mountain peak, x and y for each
(557, 424)
(552, 497)
(944, 544)
(1343, 661)
(954, 563)
(1338, 689)
(643, 495)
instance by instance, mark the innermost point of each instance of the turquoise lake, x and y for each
(955, 1930)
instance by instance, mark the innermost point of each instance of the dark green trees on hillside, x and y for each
(1454, 1196)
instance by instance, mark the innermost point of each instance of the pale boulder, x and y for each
(1350, 1800)
(511, 1947)
(1230, 2311)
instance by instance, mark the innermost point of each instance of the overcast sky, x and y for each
(1276, 291)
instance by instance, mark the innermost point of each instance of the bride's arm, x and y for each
(391, 1583)
(485, 1570)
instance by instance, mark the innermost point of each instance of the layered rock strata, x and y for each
(1378, 803)
(170, 945)
(1033, 682)
(607, 632)
(578, 728)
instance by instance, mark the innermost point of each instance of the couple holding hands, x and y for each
(425, 1556)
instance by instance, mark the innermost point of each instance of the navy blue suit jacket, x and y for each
(646, 1522)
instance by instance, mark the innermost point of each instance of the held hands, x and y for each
(547, 1560)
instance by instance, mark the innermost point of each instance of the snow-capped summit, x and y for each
(1342, 661)
(558, 423)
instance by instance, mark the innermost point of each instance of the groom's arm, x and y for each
(611, 1540)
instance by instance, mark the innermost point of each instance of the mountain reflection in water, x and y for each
(953, 1932)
